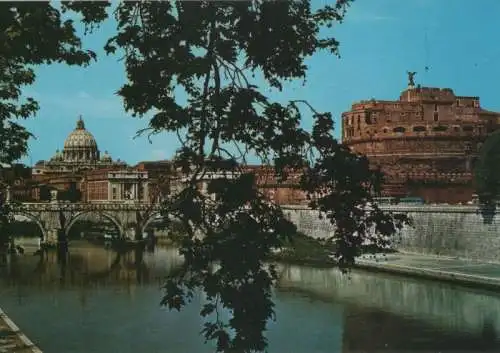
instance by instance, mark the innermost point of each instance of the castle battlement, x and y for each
(429, 133)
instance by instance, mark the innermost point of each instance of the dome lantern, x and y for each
(80, 144)
(80, 125)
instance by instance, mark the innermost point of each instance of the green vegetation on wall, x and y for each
(487, 170)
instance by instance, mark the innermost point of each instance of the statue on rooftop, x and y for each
(411, 78)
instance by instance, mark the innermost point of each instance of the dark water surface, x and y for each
(99, 302)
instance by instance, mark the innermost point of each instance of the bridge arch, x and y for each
(148, 221)
(101, 213)
(35, 220)
(152, 217)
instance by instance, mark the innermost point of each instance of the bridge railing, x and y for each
(66, 206)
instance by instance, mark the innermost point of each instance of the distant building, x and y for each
(281, 192)
(115, 185)
(80, 166)
(80, 153)
(426, 142)
(161, 178)
(18, 176)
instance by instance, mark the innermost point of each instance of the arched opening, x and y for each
(93, 226)
(152, 223)
(160, 227)
(27, 230)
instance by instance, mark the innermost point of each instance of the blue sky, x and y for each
(380, 41)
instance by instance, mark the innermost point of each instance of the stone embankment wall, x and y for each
(457, 231)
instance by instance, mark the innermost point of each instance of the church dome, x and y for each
(106, 157)
(58, 156)
(80, 138)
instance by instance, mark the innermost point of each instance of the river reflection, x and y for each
(100, 301)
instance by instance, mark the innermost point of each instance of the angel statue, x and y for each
(411, 78)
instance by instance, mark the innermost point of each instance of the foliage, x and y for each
(212, 51)
(44, 193)
(72, 194)
(487, 175)
(6, 218)
(33, 33)
(305, 250)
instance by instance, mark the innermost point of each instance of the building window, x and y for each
(419, 128)
(436, 116)
(468, 128)
(140, 192)
(440, 128)
(399, 129)
(114, 193)
(435, 107)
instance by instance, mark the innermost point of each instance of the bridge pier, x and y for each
(129, 218)
(52, 236)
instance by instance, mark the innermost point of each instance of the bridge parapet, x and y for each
(130, 218)
(438, 208)
(101, 206)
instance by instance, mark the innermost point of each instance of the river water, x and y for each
(99, 302)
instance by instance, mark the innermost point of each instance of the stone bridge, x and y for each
(458, 231)
(128, 217)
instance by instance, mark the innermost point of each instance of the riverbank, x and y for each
(306, 251)
(467, 273)
(12, 340)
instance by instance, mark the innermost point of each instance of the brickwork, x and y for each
(428, 135)
(95, 185)
(97, 190)
(280, 192)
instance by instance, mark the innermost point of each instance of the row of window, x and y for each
(439, 128)
(369, 118)
(349, 132)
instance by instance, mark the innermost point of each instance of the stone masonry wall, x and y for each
(457, 231)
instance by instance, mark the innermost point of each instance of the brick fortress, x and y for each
(426, 142)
